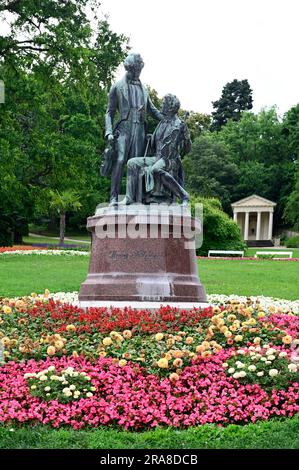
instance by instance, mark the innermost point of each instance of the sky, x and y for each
(192, 48)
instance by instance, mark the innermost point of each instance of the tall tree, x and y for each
(291, 213)
(210, 171)
(236, 97)
(56, 69)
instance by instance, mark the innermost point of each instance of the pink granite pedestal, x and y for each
(141, 254)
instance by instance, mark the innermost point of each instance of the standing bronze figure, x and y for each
(126, 137)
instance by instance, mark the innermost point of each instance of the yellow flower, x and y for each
(224, 329)
(228, 334)
(122, 362)
(102, 354)
(6, 309)
(174, 377)
(170, 342)
(119, 338)
(216, 310)
(107, 341)
(163, 363)
(177, 354)
(59, 344)
(257, 340)
(206, 354)
(159, 336)
(75, 354)
(261, 314)
(47, 292)
(5, 340)
(51, 351)
(33, 294)
(189, 340)
(231, 317)
(238, 338)
(168, 356)
(177, 362)
(233, 328)
(127, 334)
(251, 322)
(71, 328)
(205, 344)
(287, 339)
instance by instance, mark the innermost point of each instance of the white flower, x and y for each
(225, 365)
(48, 394)
(252, 368)
(89, 394)
(54, 377)
(72, 387)
(43, 378)
(76, 393)
(93, 389)
(241, 351)
(242, 373)
(273, 372)
(47, 389)
(29, 375)
(270, 352)
(263, 359)
(231, 370)
(51, 368)
(268, 363)
(236, 375)
(33, 387)
(271, 358)
(292, 367)
(260, 374)
(240, 365)
(65, 390)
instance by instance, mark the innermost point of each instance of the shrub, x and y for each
(293, 242)
(220, 232)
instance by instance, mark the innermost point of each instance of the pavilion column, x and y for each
(246, 228)
(270, 227)
(236, 217)
(258, 226)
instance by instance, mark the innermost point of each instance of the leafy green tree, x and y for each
(210, 171)
(62, 203)
(258, 146)
(291, 213)
(56, 70)
(236, 97)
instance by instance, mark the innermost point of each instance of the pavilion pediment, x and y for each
(253, 201)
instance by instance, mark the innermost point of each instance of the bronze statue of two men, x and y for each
(154, 167)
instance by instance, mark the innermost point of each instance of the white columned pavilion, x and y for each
(254, 215)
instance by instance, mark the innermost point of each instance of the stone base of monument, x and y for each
(143, 254)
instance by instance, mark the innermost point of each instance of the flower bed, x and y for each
(19, 249)
(34, 251)
(236, 363)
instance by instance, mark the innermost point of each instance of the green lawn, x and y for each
(21, 275)
(268, 435)
(252, 251)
